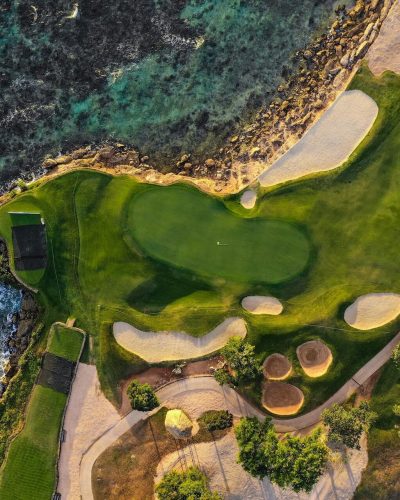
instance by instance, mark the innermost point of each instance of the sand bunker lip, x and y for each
(155, 347)
(281, 398)
(384, 53)
(248, 199)
(277, 367)
(315, 357)
(373, 310)
(329, 142)
(261, 304)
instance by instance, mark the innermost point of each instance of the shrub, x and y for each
(345, 426)
(396, 410)
(222, 376)
(396, 356)
(293, 462)
(214, 420)
(188, 485)
(240, 357)
(142, 396)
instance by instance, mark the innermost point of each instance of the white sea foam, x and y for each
(10, 303)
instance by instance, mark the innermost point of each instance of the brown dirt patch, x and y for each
(157, 376)
(315, 357)
(281, 398)
(277, 367)
(126, 470)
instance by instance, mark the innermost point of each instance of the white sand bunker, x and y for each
(329, 142)
(315, 358)
(248, 199)
(385, 51)
(218, 460)
(281, 398)
(260, 304)
(173, 346)
(373, 310)
(277, 367)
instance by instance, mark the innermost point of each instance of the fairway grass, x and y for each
(29, 469)
(189, 230)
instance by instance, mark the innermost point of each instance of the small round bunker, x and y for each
(315, 357)
(281, 398)
(277, 367)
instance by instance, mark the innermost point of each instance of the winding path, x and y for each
(182, 392)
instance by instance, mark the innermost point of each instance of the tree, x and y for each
(188, 485)
(292, 462)
(222, 376)
(345, 426)
(240, 357)
(396, 356)
(142, 396)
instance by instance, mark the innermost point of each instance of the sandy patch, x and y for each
(329, 142)
(173, 346)
(281, 398)
(277, 367)
(218, 461)
(248, 199)
(315, 358)
(385, 51)
(373, 310)
(89, 415)
(260, 304)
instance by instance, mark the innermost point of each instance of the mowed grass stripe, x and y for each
(190, 230)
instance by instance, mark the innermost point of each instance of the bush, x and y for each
(222, 376)
(293, 462)
(142, 396)
(396, 356)
(188, 485)
(396, 410)
(240, 357)
(215, 420)
(345, 426)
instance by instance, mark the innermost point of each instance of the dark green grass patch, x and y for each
(25, 218)
(29, 470)
(65, 342)
(188, 229)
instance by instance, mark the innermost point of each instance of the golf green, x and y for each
(187, 229)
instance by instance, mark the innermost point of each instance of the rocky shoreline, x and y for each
(325, 69)
(23, 322)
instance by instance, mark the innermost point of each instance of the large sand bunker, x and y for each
(281, 398)
(277, 367)
(315, 357)
(248, 199)
(373, 310)
(329, 142)
(385, 51)
(260, 304)
(173, 346)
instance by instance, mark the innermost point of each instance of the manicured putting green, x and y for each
(190, 230)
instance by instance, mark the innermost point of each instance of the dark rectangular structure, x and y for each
(30, 247)
(56, 373)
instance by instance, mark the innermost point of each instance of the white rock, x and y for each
(248, 199)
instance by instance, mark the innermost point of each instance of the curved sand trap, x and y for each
(373, 310)
(385, 51)
(173, 346)
(315, 357)
(260, 304)
(329, 142)
(281, 398)
(248, 199)
(277, 367)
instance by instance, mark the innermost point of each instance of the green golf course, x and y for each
(187, 229)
